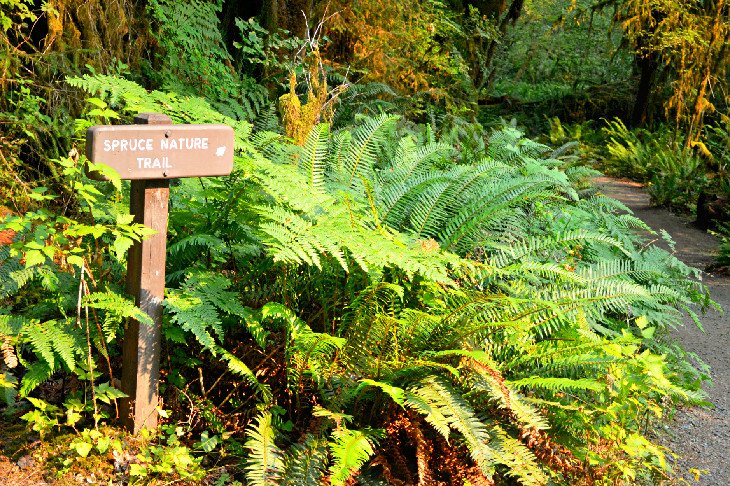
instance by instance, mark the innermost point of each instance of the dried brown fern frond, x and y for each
(8, 351)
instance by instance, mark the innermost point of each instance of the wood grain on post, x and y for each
(146, 282)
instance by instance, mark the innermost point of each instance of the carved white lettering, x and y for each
(129, 145)
(184, 143)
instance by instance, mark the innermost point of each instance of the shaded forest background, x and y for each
(653, 66)
(407, 279)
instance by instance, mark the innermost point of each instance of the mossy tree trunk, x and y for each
(97, 32)
(66, 36)
(275, 14)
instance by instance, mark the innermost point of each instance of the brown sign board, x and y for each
(161, 151)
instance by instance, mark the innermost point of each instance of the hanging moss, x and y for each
(37, 51)
(96, 31)
(297, 118)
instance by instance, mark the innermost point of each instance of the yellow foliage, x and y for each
(702, 148)
(691, 39)
(299, 119)
(391, 42)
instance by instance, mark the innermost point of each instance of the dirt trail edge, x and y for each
(701, 437)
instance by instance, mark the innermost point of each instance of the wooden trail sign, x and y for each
(162, 151)
(150, 153)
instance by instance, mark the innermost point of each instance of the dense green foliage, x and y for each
(476, 291)
(383, 291)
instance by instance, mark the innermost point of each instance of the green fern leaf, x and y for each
(446, 407)
(305, 464)
(36, 374)
(265, 465)
(362, 150)
(350, 450)
(313, 156)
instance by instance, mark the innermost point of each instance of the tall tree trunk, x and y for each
(288, 15)
(513, 13)
(96, 31)
(648, 66)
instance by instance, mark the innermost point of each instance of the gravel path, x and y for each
(701, 437)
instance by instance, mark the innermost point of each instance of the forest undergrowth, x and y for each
(413, 302)
(383, 291)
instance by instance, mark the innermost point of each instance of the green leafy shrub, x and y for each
(675, 174)
(195, 59)
(56, 270)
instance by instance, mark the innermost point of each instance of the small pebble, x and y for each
(25, 462)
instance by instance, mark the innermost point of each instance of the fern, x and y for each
(474, 291)
(310, 351)
(35, 374)
(305, 464)
(196, 316)
(313, 156)
(445, 411)
(350, 449)
(558, 384)
(54, 342)
(265, 463)
(520, 462)
(113, 88)
(363, 148)
(198, 305)
(239, 367)
(196, 61)
(208, 242)
(116, 308)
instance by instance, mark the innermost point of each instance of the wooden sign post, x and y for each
(150, 153)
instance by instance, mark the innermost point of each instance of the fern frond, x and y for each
(533, 246)
(363, 149)
(196, 316)
(196, 240)
(195, 307)
(446, 410)
(306, 463)
(239, 367)
(314, 154)
(350, 450)
(520, 462)
(310, 351)
(557, 384)
(35, 374)
(116, 308)
(396, 393)
(563, 149)
(265, 463)
(51, 338)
